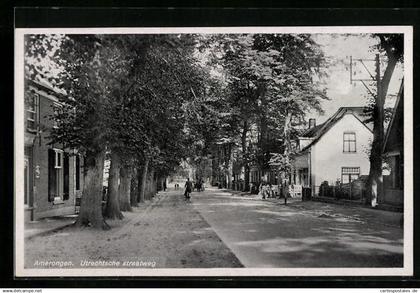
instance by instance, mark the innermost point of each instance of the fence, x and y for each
(354, 191)
(239, 186)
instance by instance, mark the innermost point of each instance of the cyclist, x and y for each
(188, 188)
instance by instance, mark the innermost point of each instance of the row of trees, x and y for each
(148, 102)
(272, 82)
(138, 99)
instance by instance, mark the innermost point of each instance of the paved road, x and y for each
(267, 234)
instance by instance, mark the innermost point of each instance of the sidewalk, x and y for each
(365, 214)
(53, 224)
(48, 225)
(248, 195)
(358, 213)
(164, 233)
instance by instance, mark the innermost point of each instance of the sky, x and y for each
(338, 49)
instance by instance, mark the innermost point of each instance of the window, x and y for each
(57, 110)
(397, 172)
(31, 111)
(77, 170)
(349, 174)
(58, 175)
(305, 177)
(349, 142)
(66, 175)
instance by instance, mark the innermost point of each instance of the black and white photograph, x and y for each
(239, 151)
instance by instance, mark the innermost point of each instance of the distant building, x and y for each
(394, 156)
(334, 151)
(53, 176)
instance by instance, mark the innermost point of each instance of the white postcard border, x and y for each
(406, 270)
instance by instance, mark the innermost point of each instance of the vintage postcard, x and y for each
(214, 151)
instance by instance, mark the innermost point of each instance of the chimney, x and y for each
(312, 123)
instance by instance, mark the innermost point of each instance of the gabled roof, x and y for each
(311, 132)
(318, 131)
(46, 88)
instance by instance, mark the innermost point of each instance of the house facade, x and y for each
(393, 153)
(336, 151)
(53, 176)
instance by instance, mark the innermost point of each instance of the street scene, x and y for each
(228, 150)
(221, 229)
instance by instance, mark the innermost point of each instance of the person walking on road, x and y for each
(188, 188)
(263, 190)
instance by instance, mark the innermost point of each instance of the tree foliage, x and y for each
(272, 82)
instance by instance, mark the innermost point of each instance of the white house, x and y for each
(337, 150)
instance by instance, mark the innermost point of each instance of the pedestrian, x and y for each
(262, 190)
(188, 188)
(270, 191)
(164, 185)
(199, 184)
(202, 186)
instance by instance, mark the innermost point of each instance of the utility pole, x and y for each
(372, 77)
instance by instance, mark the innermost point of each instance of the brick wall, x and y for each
(42, 207)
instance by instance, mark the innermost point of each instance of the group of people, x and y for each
(266, 190)
(190, 186)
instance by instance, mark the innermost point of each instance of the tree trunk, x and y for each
(112, 209)
(263, 139)
(155, 178)
(139, 183)
(152, 184)
(149, 186)
(163, 183)
(286, 153)
(230, 168)
(125, 189)
(263, 133)
(286, 134)
(247, 171)
(227, 166)
(134, 195)
(375, 181)
(245, 155)
(91, 205)
(143, 179)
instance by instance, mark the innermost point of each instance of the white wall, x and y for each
(327, 156)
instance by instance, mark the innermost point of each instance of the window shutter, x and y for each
(77, 172)
(51, 175)
(66, 172)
